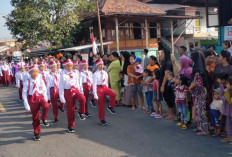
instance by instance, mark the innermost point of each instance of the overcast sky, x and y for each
(5, 9)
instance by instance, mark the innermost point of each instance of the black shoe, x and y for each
(45, 123)
(71, 130)
(103, 122)
(87, 115)
(61, 109)
(37, 137)
(111, 110)
(56, 120)
(93, 103)
(81, 116)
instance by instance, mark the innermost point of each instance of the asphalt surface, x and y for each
(127, 134)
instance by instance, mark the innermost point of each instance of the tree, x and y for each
(46, 20)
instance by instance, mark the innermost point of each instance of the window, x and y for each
(153, 30)
(137, 31)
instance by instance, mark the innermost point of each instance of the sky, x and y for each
(5, 9)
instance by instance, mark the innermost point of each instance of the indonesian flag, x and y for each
(94, 45)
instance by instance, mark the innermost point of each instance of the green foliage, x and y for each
(209, 42)
(51, 20)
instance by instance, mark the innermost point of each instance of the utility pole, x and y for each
(100, 30)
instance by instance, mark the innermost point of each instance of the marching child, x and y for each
(53, 90)
(86, 82)
(216, 112)
(35, 96)
(69, 92)
(19, 80)
(42, 72)
(147, 89)
(5, 73)
(181, 93)
(101, 90)
(157, 95)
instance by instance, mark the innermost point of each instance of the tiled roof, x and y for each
(129, 7)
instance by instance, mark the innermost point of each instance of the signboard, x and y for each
(228, 33)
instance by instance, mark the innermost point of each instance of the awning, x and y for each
(179, 17)
(85, 47)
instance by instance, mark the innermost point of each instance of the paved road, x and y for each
(128, 134)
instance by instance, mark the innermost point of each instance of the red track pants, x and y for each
(70, 103)
(86, 93)
(103, 91)
(20, 90)
(54, 101)
(35, 111)
(5, 80)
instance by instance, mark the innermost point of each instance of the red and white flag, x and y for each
(94, 49)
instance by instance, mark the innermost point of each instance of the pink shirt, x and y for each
(154, 85)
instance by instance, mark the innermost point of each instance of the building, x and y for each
(131, 25)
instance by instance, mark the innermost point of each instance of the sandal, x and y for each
(143, 108)
(184, 127)
(133, 108)
(224, 140)
(196, 130)
(169, 118)
(203, 133)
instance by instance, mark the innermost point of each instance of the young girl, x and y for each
(216, 112)
(170, 92)
(147, 89)
(182, 100)
(157, 95)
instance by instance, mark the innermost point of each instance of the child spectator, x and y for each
(170, 92)
(182, 100)
(157, 94)
(153, 64)
(147, 89)
(138, 67)
(216, 112)
(226, 107)
(121, 75)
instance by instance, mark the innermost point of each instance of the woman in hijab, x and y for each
(198, 88)
(186, 68)
(125, 57)
(114, 72)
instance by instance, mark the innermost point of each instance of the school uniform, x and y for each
(35, 96)
(19, 82)
(53, 92)
(5, 73)
(69, 92)
(43, 75)
(101, 90)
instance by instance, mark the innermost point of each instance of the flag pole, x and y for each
(100, 30)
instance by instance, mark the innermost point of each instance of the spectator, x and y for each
(226, 46)
(135, 82)
(198, 88)
(146, 60)
(114, 70)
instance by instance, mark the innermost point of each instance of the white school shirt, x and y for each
(66, 82)
(83, 78)
(40, 88)
(217, 105)
(97, 80)
(5, 68)
(50, 82)
(19, 77)
(45, 74)
(26, 76)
